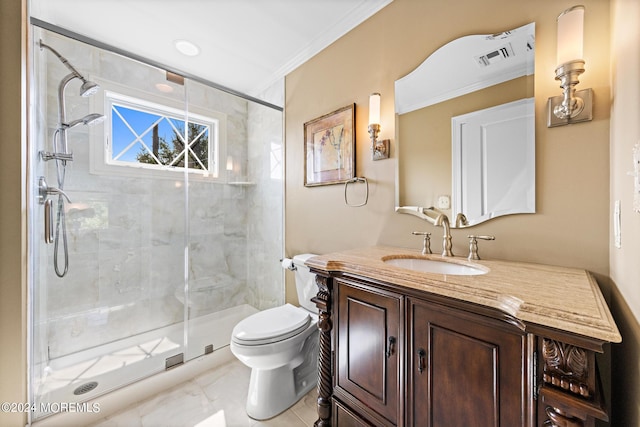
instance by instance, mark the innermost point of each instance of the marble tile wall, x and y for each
(265, 210)
(127, 236)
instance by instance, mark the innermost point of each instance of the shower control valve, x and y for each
(44, 190)
(46, 156)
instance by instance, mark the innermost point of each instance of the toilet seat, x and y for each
(272, 325)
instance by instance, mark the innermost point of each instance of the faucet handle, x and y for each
(426, 244)
(473, 245)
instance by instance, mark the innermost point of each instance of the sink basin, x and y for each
(434, 266)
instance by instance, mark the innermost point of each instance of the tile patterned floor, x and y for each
(214, 399)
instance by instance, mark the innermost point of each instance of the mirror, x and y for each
(466, 129)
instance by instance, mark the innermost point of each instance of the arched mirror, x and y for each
(466, 129)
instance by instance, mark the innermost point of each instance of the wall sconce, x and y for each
(380, 148)
(573, 106)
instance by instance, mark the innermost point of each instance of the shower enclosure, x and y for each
(153, 231)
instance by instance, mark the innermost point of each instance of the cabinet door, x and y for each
(464, 369)
(368, 345)
(344, 417)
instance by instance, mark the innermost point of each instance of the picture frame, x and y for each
(329, 148)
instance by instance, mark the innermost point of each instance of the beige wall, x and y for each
(572, 186)
(13, 360)
(575, 164)
(624, 265)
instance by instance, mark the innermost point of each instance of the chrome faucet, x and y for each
(443, 221)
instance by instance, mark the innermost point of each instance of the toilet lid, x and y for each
(274, 324)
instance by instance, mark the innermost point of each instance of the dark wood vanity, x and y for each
(405, 348)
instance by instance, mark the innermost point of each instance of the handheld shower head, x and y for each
(88, 88)
(89, 119)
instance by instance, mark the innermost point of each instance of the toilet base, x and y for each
(274, 391)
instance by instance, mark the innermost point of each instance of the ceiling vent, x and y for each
(500, 54)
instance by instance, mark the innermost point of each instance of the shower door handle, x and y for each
(48, 221)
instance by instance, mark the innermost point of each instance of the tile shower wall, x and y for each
(127, 235)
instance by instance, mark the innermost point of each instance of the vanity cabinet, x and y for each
(464, 369)
(403, 348)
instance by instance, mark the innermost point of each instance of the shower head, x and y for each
(88, 88)
(89, 119)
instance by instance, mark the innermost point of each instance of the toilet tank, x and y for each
(305, 282)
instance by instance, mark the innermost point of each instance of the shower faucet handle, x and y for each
(44, 190)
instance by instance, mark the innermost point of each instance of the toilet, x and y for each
(280, 345)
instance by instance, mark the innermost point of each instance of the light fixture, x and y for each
(186, 47)
(380, 148)
(573, 106)
(162, 87)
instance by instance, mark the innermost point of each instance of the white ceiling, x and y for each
(245, 45)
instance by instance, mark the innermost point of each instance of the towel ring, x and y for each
(366, 196)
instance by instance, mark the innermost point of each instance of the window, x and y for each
(147, 136)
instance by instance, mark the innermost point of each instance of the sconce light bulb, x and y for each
(380, 149)
(374, 109)
(570, 35)
(574, 105)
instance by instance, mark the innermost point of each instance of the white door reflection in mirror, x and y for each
(493, 161)
(470, 73)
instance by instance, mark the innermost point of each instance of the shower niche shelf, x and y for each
(241, 183)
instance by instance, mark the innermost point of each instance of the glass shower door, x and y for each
(235, 214)
(108, 225)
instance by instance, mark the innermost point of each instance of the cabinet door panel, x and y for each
(472, 371)
(367, 345)
(343, 417)
(366, 328)
(454, 359)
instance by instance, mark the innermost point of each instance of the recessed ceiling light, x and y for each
(186, 47)
(164, 87)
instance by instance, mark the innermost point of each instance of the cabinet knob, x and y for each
(390, 346)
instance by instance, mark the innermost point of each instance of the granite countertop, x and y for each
(567, 299)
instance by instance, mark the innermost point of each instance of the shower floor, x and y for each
(122, 362)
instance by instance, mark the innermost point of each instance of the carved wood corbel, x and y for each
(325, 325)
(571, 395)
(566, 366)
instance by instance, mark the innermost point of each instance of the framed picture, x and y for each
(329, 148)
